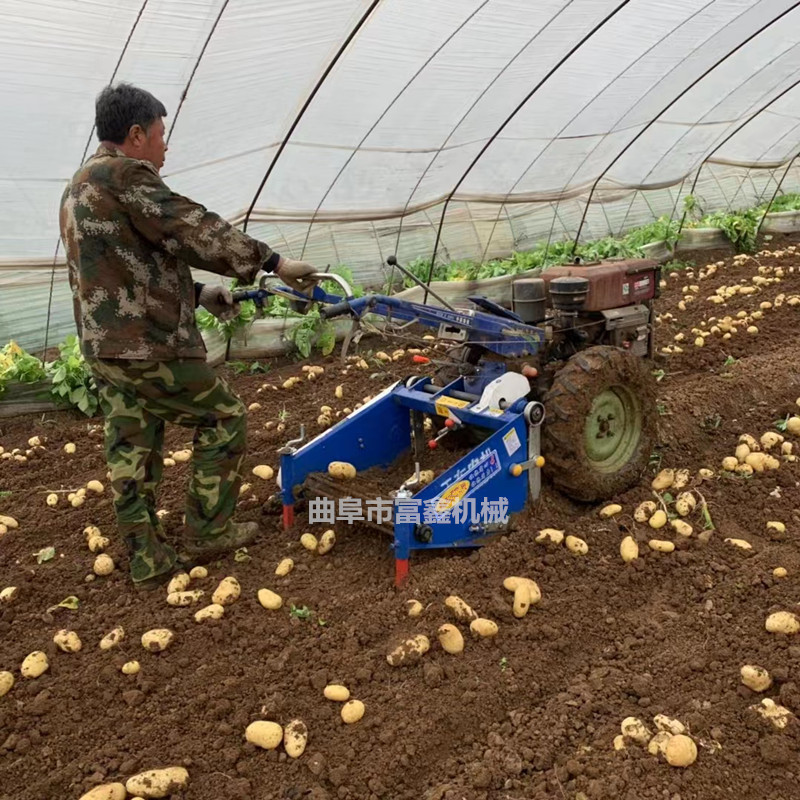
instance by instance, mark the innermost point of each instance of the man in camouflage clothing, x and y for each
(130, 243)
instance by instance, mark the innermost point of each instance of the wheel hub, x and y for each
(613, 428)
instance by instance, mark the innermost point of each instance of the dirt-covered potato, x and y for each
(269, 599)
(337, 692)
(352, 711)
(183, 599)
(326, 542)
(685, 503)
(52, 499)
(742, 544)
(644, 511)
(414, 608)
(6, 682)
(67, 641)
(108, 791)
(681, 751)
(341, 470)
(730, 463)
(9, 594)
(755, 678)
(576, 545)
(130, 668)
(682, 527)
(663, 480)
(198, 573)
(550, 536)
(157, 639)
(178, 583)
(158, 782)
(103, 565)
(783, 622)
(522, 600)
(775, 525)
(658, 744)
(295, 738)
(460, 609)
(668, 724)
(213, 611)
(635, 730)
(227, 592)
(34, 665)
(450, 639)
(409, 651)
(112, 638)
(98, 543)
(628, 549)
(483, 628)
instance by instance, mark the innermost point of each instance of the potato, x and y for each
(659, 519)
(227, 592)
(9, 594)
(409, 651)
(339, 392)
(157, 639)
(681, 527)
(285, 567)
(644, 511)
(98, 543)
(619, 742)
(264, 734)
(169, 462)
(792, 426)
(741, 543)
(758, 461)
(130, 668)
(610, 510)
(414, 608)
(6, 682)
(522, 600)
(461, 610)
(742, 451)
(681, 479)
(77, 501)
(681, 751)
(663, 480)
(103, 565)
(755, 678)
(295, 738)
(309, 541)
(34, 665)
(483, 628)
(629, 549)
(450, 639)
(263, 471)
(779, 716)
(336, 692)
(550, 535)
(783, 622)
(96, 487)
(730, 463)
(770, 439)
(661, 545)
(69, 448)
(786, 448)
(576, 545)
(269, 599)
(685, 503)
(213, 611)
(198, 573)
(179, 583)
(158, 782)
(181, 456)
(744, 469)
(341, 470)
(112, 638)
(635, 730)
(658, 744)
(52, 499)
(752, 330)
(750, 441)
(67, 641)
(107, 791)
(511, 583)
(779, 572)
(665, 723)
(352, 711)
(326, 542)
(776, 526)
(183, 599)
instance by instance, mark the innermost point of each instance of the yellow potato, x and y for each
(750, 441)
(213, 611)
(183, 599)
(263, 471)
(741, 543)
(309, 541)
(269, 599)
(730, 463)
(783, 622)
(755, 678)
(685, 503)
(9, 594)
(181, 456)
(34, 441)
(169, 462)
(409, 651)
(103, 565)
(661, 545)
(610, 510)
(663, 480)
(69, 448)
(576, 545)
(681, 527)
(341, 470)
(198, 573)
(635, 730)
(178, 583)
(352, 711)
(158, 782)
(414, 608)
(336, 692)
(450, 639)
(665, 723)
(658, 744)
(130, 668)
(98, 543)
(681, 751)
(511, 583)
(779, 572)
(77, 501)
(112, 638)
(742, 451)
(779, 716)
(522, 600)
(96, 487)
(52, 499)
(770, 439)
(157, 639)
(34, 665)
(67, 641)
(644, 511)
(681, 479)
(227, 592)
(460, 609)
(339, 392)
(326, 542)
(285, 567)
(550, 535)
(792, 425)
(619, 742)
(776, 526)
(659, 519)
(629, 549)
(483, 628)
(295, 738)
(107, 791)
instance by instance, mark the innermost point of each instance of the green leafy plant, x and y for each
(206, 321)
(254, 368)
(738, 226)
(19, 366)
(73, 383)
(45, 554)
(301, 612)
(784, 202)
(677, 264)
(312, 331)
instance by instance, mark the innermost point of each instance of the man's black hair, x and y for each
(118, 108)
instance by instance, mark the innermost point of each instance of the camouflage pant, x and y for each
(137, 398)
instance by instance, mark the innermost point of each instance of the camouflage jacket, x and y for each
(130, 243)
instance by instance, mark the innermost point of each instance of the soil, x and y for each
(529, 714)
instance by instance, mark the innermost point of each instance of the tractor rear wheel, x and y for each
(601, 423)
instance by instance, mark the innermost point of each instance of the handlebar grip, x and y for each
(336, 310)
(239, 296)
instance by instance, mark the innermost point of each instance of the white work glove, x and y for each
(219, 301)
(296, 274)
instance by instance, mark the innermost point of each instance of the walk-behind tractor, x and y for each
(559, 382)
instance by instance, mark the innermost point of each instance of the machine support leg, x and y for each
(400, 572)
(288, 516)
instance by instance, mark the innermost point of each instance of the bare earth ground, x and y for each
(530, 714)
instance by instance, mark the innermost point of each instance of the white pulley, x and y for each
(503, 392)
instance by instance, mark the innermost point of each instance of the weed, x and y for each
(301, 612)
(659, 375)
(503, 664)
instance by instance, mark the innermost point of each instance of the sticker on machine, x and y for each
(511, 442)
(479, 471)
(442, 403)
(451, 496)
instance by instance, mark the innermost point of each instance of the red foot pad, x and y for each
(400, 571)
(288, 517)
